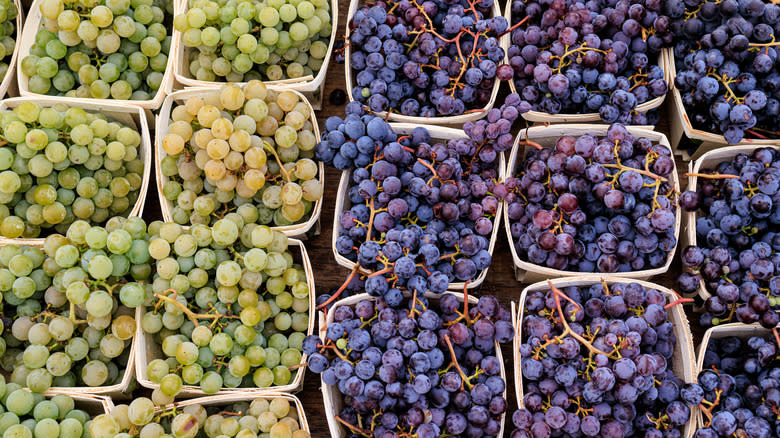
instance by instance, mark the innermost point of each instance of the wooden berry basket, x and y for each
(546, 136)
(333, 399)
(683, 359)
(228, 399)
(680, 124)
(8, 85)
(733, 330)
(34, 22)
(392, 116)
(541, 117)
(131, 116)
(310, 86)
(148, 349)
(708, 161)
(298, 230)
(343, 203)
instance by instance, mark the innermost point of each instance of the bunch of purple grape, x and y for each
(597, 361)
(428, 366)
(737, 240)
(423, 209)
(496, 124)
(572, 57)
(738, 390)
(726, 59)
(425, 58)
(595, 204)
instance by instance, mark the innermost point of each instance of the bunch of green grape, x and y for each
(72, 304)
(8, 33)
(59, 164)
(27, 414)
(242, 40)
(100, 49)
(262, 417)
(231, 307)
(248, 148)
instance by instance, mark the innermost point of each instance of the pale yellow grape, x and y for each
(193, 105)
(276, 111)
(201, 138)
(234, 160)
(227, 182)
(255, 90)
(201, 158)
(182, 128)
(173, 144)
(306, 140)
(256, 109)
(218, 149)
(312, 190)
(213, 100)
(231, 97)
(293, 212)
(222, 128)
(243, 190)
(287, 100)
(245, 123)
(285, 136)
(207, 114)
(305, 169)
(267, 126)
(240, 141)
(215, 170)
(254, 179)
(255, 157)
(180, 114)
(295, 120)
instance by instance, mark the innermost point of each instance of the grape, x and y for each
(86, 33)
(240, 160)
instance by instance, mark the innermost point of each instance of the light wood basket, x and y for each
(310, 86)
(334, 400)
(163, 118)
(343, 203)
(392, 116)
(34, 22)
(733, 330)
(228, 399)
(546, 136)
(541, 117)
(8, 84)
(683, 359)
(708, 161)
(148, 349)
(680, 124)
(131, 116)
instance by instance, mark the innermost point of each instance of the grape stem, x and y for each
(712, 175)
(268, 147)
(761, 136)
(531, 143)
(515, 26)
(681, 300)
(567, 329)
(341, 288)
(776, 335)
(463, 375)
(352, 427)
(192, 316)
(707, 410)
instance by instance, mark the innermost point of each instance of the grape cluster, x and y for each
(597, 361)
(584, 57)
(27, 414)
(725, 54)
(737, 389)
(59, 164)
(239, 41)
(231, 307)
(424, 366)
(217, 149)
(595, 204)
(736, 254)
(428, 200)
(8, 34)
(496, 125)
(70, 306)
(273, 417)
(100, 49)
(425, 58)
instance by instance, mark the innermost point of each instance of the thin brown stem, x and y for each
(341, 289)
(712, 175)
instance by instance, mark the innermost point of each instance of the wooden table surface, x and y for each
(500, 279)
